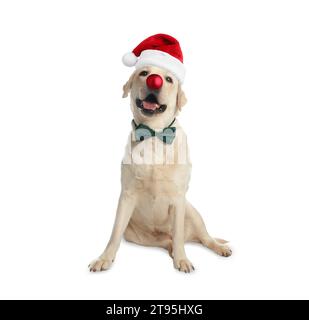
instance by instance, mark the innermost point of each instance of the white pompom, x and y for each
(129, 59)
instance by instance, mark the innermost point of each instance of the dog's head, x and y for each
(156, 96)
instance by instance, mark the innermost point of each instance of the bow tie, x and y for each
(143, 132)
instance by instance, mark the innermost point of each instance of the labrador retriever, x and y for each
(153, 209)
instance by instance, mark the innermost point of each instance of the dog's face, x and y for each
(156, 96)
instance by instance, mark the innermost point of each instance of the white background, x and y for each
(63, 128)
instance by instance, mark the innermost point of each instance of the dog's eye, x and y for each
(169, 79)
(143, 73)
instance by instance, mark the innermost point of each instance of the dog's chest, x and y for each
(157, 168)
(156, 179)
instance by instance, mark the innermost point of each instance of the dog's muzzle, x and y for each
(150, 105)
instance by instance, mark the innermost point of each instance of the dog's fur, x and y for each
(152, 209)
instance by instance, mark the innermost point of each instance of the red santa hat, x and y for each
(160, 50)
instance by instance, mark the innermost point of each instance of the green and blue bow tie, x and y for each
(143, 132)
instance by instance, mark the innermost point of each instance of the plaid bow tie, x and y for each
(143, 132)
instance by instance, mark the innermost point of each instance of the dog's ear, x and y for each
(127, 87)
(181, 98)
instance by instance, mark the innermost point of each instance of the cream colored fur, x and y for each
(153, 209)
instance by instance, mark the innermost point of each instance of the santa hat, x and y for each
(160, 50)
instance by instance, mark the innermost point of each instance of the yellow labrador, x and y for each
(152, 209)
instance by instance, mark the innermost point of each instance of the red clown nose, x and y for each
(154, 82)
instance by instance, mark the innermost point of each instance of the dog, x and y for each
(153, 209)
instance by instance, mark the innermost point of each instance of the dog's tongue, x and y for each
(150, 105)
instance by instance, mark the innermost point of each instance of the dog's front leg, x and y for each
(181, 262)
(125, 209)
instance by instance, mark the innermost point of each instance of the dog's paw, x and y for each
(183, 265)
(100, 265)
(223, 250)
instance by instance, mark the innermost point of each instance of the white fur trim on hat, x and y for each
(163, 60)
(129, 59)
(158, 59)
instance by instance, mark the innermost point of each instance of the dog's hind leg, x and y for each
(195, 231)
(148, 239)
